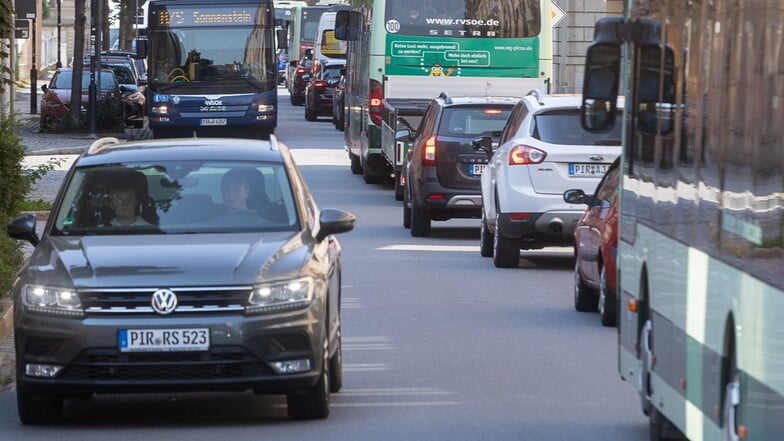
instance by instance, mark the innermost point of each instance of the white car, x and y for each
(542, 152)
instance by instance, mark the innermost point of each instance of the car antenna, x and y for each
(538, 94)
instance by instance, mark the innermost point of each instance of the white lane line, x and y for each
(439, 248)
(365, 367)
(368, 343)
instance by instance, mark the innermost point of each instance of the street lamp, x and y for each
(59, 30)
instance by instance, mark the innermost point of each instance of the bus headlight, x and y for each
(160, 109)
(264, 108)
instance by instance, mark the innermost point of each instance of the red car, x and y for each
(596, 244)
(57, 97)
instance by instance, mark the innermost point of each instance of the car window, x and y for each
(123, 74)
(516, 118)
(62, 80)
(332, 72)
(473, 121)
(179, 197)
(563, 127)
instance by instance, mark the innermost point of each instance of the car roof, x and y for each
(544, 102)
(449, 100)
(111, 150)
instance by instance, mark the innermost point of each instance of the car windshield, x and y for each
(62, 80)
(474, 121)
(172, 197)
(563, 127)
(332, 72)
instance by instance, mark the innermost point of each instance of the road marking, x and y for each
(365, 367)
(320, 157)
(439, 248)
(368, 344)
(351, 303)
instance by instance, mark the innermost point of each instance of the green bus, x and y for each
(701, 222)
(420, 48)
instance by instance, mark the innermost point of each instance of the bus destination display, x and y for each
(167, 16)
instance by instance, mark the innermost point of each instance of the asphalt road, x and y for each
(438, 344)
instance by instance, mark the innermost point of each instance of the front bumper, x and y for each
(241, 350)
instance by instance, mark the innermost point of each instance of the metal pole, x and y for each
(59, 31)
(34, 79)
(91, 111)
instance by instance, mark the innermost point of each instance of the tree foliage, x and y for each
(7, 22)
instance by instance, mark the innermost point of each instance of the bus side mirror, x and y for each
(283, 38)
(141, 48)
(347, 25)
(655, 91)
(600, 87)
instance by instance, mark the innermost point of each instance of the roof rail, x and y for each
(538, 94)
(445, 96)
(102, 144)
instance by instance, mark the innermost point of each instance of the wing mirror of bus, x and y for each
(483, 144)
(283, 38)
(347, 25)
(600, 86)
(141, 48)
(655, 97)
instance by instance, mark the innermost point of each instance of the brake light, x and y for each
(375, 102)
(492, 111)
(319, 83)
(301, 70)
(524, 155)
(429, 152)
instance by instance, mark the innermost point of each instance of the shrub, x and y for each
(14, 185)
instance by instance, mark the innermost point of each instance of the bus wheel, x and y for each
(646, 359)
(356, 164)
(662, 428)
(729, 415)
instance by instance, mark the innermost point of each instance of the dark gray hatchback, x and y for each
(180, 265)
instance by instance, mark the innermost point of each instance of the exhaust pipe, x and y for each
(555, 227)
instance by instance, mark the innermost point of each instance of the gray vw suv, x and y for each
(180, 265)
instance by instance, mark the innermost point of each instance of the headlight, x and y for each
(160, 109)
(263, 108)
(52, 300)
(280, 296)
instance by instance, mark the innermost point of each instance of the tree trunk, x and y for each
(80, 19)
(127, 20)
(105, 39)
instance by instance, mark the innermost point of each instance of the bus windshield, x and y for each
(211, 54)
(463, 18)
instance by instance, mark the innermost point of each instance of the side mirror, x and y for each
(23, 228)
(44, 88)
(141, 48)
(334, 221)
(347, 25)
(600, 87)
(483, 143)
(404, 136)
(283, 38)
(577, 196)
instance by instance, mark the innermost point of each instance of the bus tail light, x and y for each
(525, 155)
(375, 102)
(429, 152)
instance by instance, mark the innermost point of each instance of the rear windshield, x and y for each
(563, 127)
(474, 121)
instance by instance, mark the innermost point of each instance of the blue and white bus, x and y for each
(212, 68)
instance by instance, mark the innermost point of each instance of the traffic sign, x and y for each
(556, 14)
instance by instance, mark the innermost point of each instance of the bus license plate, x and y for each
(476, 169)
(213, 121)
(164, 340)
(587, 170)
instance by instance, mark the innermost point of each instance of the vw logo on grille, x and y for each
(164, 301)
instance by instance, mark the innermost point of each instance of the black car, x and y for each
(319, 91)
(302, 75)
(442, 169)
(180, 265)
(339, 102)
(132, 86)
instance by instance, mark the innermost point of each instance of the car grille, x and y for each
(111, 365)
(189, 300)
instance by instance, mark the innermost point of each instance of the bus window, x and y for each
(655, 90)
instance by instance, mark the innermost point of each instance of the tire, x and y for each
(37, 409)
(336, 366)
(485, 238)
(420, 221)
(297, 100)
(309, 114)
(662, 428)
(356, 164)
(585, 299)
(406, 211)
(607, 301)
(369, 178)
(506, 251)
(398, 187)
(341, 120)
(732, 398)
(314, 402)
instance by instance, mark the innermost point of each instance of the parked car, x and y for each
(441, 169)
(302, 75)
(595, 246)
(319, 91)
(543, 152)
(140, 63)
(132, 91)
(180, 265)
(56, 99)
(339, 102)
